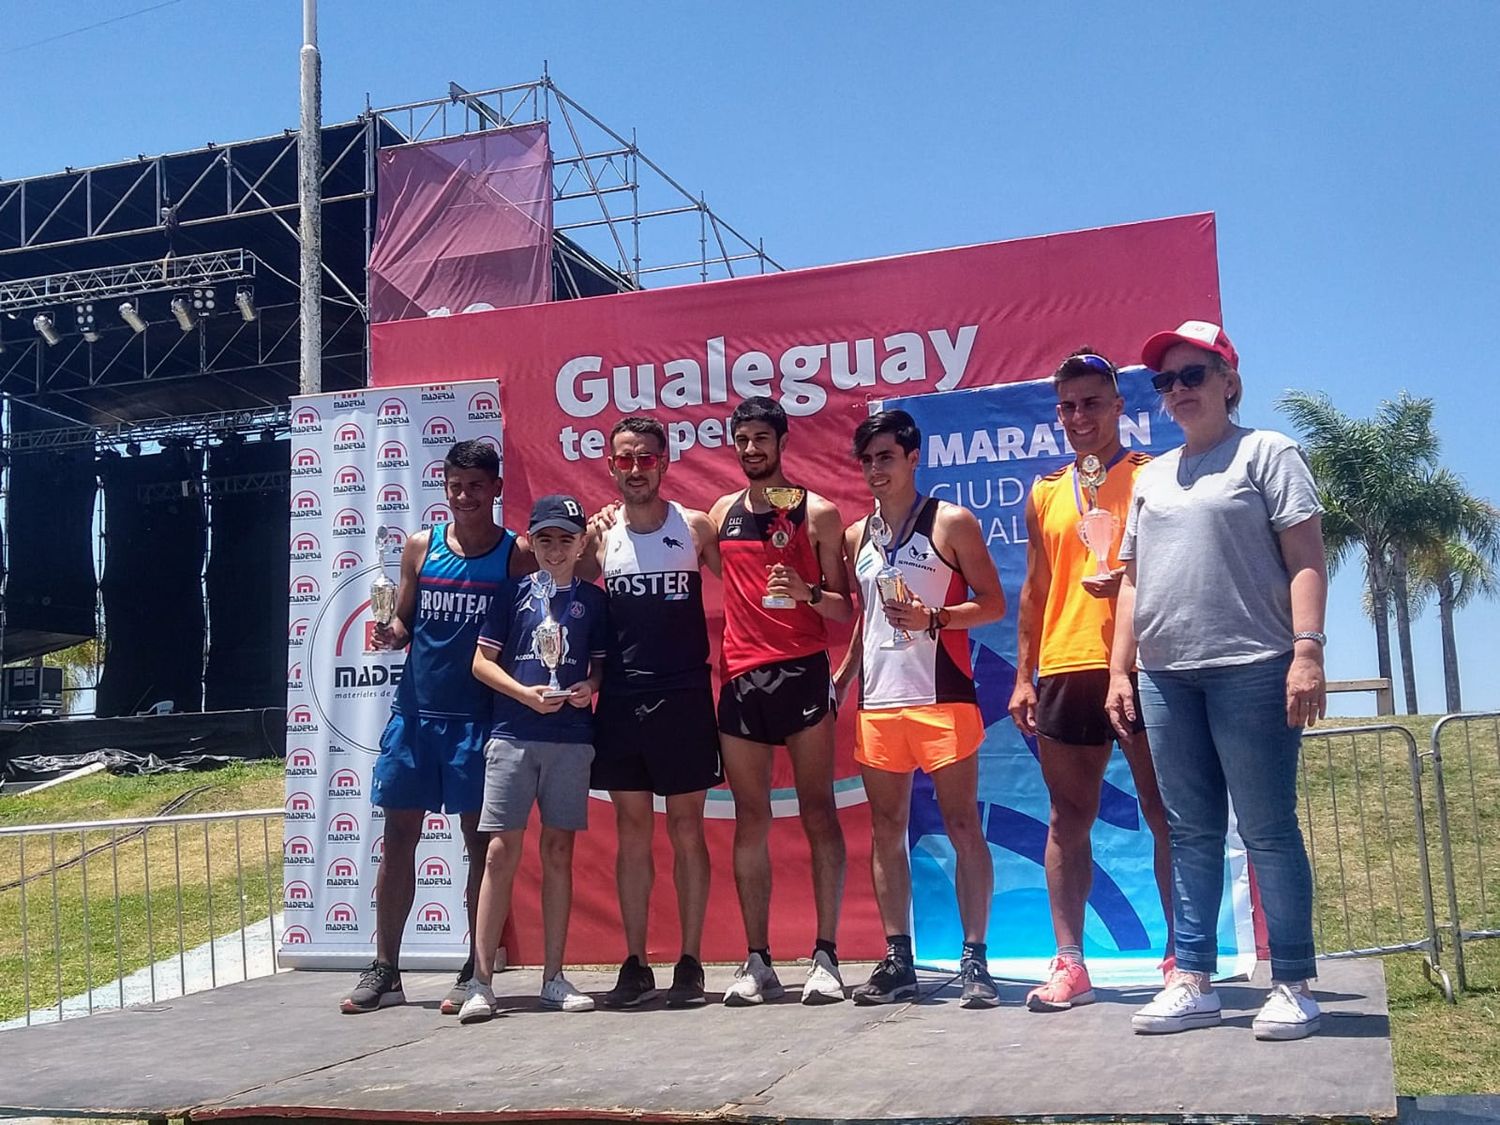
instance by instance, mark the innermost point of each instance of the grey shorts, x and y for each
(554, 776)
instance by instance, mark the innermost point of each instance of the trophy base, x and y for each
(556, 693)
(778, 601)
(896, 644)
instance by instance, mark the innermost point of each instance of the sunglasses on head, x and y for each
(1193, 376)
(629, 462)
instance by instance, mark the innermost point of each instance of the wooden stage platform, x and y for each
(278, 1048)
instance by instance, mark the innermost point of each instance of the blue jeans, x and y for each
(1220, 734)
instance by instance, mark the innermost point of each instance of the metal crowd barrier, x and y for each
(108, 913)
(1364, 816)
(1465, 753)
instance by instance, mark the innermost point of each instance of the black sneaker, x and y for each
(893, 980)
(687, 984)
(636, 985)
(979, 989)
(379, 987)
(460, 990)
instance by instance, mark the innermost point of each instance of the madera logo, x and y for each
(350, 402)
(392, 499)
(295, 935)
(306, 420)
(301, 762)
(348, 524)
(305, 547)
(434, 476)
(343, 829)
(392, 455)
(392, 413)
(299, 720)
(435, 828)
(349, 438)
(345, 786)
(296, 632)
(296, 895)
(348, 481)
(432, 918)
(433, 872)
(294, 678)
(436, 514)
(307, 505)
(304, 590)
(300, 806)
(342, 872)
(345, 560)
(484, 407)
(438, 431)
(305, 463)
(340, 919)
(351, 688)
(438, 392)
(297, 852)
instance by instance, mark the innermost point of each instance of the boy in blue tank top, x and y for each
(432, 750)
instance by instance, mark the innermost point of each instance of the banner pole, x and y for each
(310, 196)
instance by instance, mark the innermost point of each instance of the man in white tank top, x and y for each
(918, 708)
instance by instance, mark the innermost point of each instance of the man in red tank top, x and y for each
(777, 688)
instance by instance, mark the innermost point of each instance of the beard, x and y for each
(761, 472)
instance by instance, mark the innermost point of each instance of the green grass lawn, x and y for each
(133, 899)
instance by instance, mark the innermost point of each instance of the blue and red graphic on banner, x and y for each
(984, 448)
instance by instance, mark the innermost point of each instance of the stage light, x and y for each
(133, 448)
(203, 301)
(244, 297)
(46, 329)
(131, 316)
(184, 314)
(84, 315)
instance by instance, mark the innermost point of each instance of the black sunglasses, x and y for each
(1192, 376)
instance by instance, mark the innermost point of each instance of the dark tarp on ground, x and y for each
(32, 752)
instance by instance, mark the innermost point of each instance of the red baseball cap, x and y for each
(1200, 333)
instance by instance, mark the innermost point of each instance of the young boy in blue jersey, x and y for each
(541, 742)
(432, 750)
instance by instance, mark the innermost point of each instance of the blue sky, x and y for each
(1351, 151)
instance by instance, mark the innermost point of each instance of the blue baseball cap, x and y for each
(559, 511)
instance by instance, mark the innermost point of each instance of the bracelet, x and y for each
(815, 594)
(1311, 635)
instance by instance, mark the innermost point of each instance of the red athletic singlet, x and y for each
(753, 635)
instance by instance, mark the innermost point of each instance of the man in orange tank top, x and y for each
(783, 575)
(1066, 621)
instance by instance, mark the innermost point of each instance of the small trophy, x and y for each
(547, 638)
(783, 499)
(382, 589)
(1097, 527)
(890, 582)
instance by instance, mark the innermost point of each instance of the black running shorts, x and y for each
(1070, 708)
(770, 703)
(664, 742)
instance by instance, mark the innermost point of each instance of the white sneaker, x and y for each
(480, 1004)
(754, 981)
(560, 995)
(824, 985)
(1181, 1006)
(1289, 1012)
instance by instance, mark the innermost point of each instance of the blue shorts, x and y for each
(431, 764)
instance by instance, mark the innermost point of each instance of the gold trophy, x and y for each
(1097, 527)
(783, 499)
(547, 638)
(382, 589)
(890, 582)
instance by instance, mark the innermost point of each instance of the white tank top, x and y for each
(928, 671)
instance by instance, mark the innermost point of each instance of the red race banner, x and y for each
(824, 342)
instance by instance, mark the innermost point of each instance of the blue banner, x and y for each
(984, 448)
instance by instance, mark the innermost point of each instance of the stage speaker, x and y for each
(154, 543)
(51, 594)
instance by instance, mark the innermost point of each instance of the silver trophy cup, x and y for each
(382, 589)
(1097, 528)
(547, 638)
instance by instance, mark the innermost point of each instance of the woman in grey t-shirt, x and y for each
(1222, 608)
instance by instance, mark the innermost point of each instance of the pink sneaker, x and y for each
(1068, 986)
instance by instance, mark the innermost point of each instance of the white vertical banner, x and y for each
(366, 472)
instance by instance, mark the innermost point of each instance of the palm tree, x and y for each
(1365, 468)
(1455, 569)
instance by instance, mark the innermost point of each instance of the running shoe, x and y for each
(379, 987)
(459, 994)
(687, 984)
(1067, 986)
(1290, 1012)
(1181, 1006)
(979, 989)
(479, 1003)
(893, 980)
(636, 985)
(560, 995)
(754, 982)
(824, 984)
